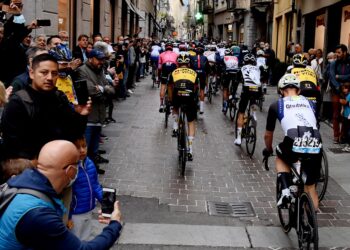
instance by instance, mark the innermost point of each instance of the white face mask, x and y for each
(74, 179)
(65, 43)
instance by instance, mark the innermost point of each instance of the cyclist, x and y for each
(192, 50)
(221, 50)
(199, 63)
(308, 81)
(301, 138)
(167, 64)
(183, 49)
(155, 52)
(213, 59)
(261, 63)
(184, 80)
(251, 91)
(231, 71)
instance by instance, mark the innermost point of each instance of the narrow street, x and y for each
(160, 208)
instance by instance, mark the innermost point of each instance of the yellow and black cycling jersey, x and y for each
(184, 80)
(305, 75)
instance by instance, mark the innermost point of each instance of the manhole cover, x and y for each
(337, 150)
(235, 209)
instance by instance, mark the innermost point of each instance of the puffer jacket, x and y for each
(86, 188)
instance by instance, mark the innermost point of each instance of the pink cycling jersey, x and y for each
(167, 57)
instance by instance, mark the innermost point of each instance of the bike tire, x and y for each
(284, 214)
(322, 182)
(250, 136)
(166, 116)
(183, 146)
(209, 94)
(232, 109)
(307, 229)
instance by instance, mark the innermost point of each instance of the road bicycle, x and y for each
(212, 89)
(155, 75)
(300, 212)
(248, 130)
(182, 140)
(322, 182)
(167, 104)
(232, 100)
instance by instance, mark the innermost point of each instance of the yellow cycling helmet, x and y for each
(299, 60)
(183, 59)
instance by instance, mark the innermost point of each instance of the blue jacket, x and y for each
(30, 223)
(86, 188)
(342, 69)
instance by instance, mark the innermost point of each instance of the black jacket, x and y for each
(31, 119)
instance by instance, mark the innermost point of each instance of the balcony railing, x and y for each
(231, 5)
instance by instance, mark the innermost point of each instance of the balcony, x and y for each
(260, 2)
(208, 6)
(236, 5)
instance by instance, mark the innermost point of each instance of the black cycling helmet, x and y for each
(168, 46)
(182, 47)
(200, 49)
(299, 60)
(183, 59)
(249, 58)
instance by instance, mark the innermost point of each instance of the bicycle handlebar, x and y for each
(266, 162)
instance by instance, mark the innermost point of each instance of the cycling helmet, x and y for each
(299, 60)
(182, 47)
(227, 52)
(183, 59)
(200, 48)
(260, 52)
(289, 80)
(212, 48)
(61, 53)
(235, 50)
(249, 58)
(168, 46)
(220, 45)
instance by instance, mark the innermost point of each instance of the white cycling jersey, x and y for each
(210, 55)
(251, 76)
(298, 122)
(221, 52)
(155, 50)
(231, 62)
(261, 61)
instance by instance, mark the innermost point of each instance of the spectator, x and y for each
(142, 61)
(4, 94)
(13, 167)
(326, 89)
(97, 38)
(64, 36)
(92, 71)
(339, 73)
(311, 55)
(270, 56)
(89, 48)
(317, 65)
(22, 80)
(40, 113)
(40, 41)
(108, 41)
(80, 50)
(345, 101)
(30, 222)
(131, 67)
(86, 189)
(53, 41)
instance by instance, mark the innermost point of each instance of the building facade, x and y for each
(108, 17)
(313, 24)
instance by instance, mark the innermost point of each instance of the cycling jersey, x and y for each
(167, 57)
(251, 76)
(221, 52)
(306, 76)
(199, 63)
(155, 51)
(260, 61)
(184, 91)
(211, 55)
(231, 63)
(297, 117)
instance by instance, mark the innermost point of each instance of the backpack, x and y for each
(8, 193)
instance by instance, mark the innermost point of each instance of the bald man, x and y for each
(31, 222)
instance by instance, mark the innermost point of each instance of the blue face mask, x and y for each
(19, 19)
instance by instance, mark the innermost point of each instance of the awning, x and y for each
(134, 9)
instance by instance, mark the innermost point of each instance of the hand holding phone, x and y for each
(81, 91)
(43, 22)
(108, 200)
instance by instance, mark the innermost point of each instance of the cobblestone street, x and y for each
(143, 163)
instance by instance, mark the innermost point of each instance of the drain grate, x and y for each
(235, 209)
(337, 150)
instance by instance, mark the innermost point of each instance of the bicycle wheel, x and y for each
(182, 140)
(284, 214)
(210, 92)
(232, 109)
(322, 182)
(250, 136)
(307, 229)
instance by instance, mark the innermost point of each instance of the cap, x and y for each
(97, 54)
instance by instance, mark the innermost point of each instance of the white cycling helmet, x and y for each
(288, 80)
(260, 52)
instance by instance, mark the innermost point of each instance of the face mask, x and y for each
(74, 179)
(65, 43)
(19, 19)
(330, 60)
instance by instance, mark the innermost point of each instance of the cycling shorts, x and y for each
(310, 163)
(249, 94)
(154, 60)
(228, 77)
(202, 79)
(167, 69)
(189, 101)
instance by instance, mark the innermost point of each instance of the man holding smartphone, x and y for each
(33, 222)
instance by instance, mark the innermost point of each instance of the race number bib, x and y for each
(307, 144)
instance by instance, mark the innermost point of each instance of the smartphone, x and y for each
(81, 91)
(43, 22)
(108, 200)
